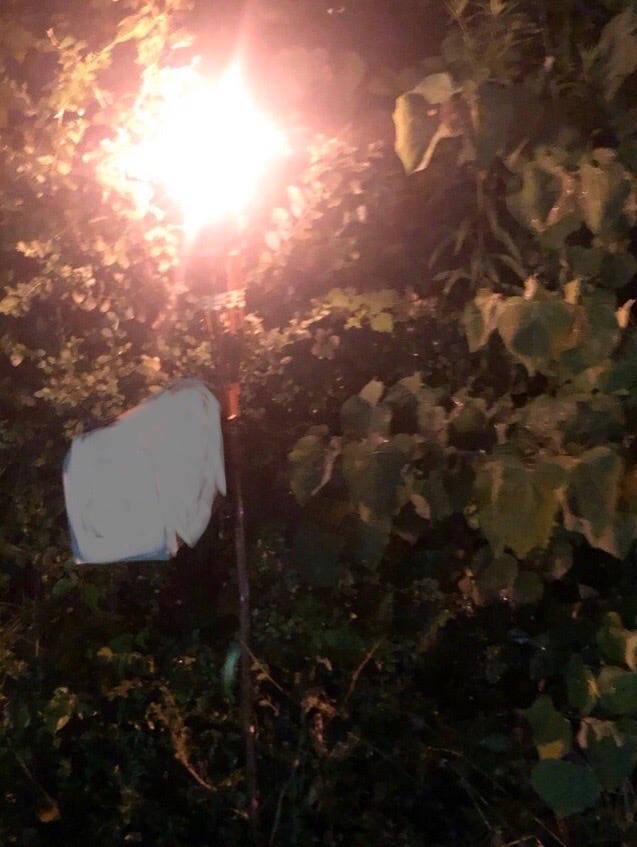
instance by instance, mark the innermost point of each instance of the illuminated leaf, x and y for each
(374, 475)
(372, 392)
(581, 686)
(480, 317)
(618, 46)
(134, 27)
(604, 190)
(598, 333)
(618, 691)
(382, 322)
(552, 732)
(531, 198)
(310, 466)
(60, 709)
(536, 331)
(611, 637)
(593, 485)
(49, 811)
(9, 304)
(505, 489)
(591, 502)
(416, 125)
(436, 88)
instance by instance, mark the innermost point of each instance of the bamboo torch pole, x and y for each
(235, 319)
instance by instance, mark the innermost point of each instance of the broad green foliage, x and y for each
(506, 488)
(553, 454)
(566, 787)
(552, 733)
(439, 387)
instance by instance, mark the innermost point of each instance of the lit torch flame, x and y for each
(206, 146)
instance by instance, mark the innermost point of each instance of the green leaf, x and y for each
(415, 127)
(552, 732)
(311, 465)
(436, 88)
(480, 317)
(505, 489)
(536, 331)
(618, 48)
(592, 494)
(372, 392)
(468, 418)
(559, 558)
(622, 377)
(498, 577)
(432, 418)
(611, 637)
(9, 304)
(531, 201)
(618, 691)
(545, 417)
(356, 417)
(363, 416)
(597, 336)
(585, 261)
(403, 403)
(366, 542)
(230, 670)
(91, 595)
(593, 485)
(604, 190)
(496, 742)
(436, 504)
(598, 420)
(581, 686)
(612, 758)
(567, 788)
(618, 269)
(495, 115)
(419, 124)
(374, 475)
(382, 322)
(60, 709)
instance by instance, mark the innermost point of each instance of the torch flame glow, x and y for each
(206, 146)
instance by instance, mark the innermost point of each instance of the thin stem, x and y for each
(357, 672)
(243, 581)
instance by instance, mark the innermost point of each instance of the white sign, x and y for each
(138, 487)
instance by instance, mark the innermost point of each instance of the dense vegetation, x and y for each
(439, 372)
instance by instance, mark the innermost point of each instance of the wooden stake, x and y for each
(233, 421)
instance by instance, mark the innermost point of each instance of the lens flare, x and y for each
(206, 146)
